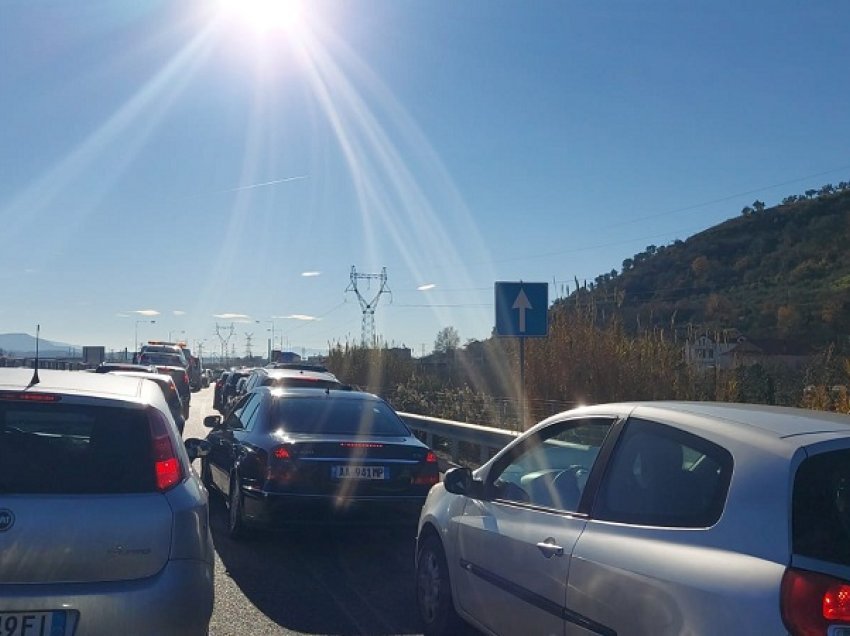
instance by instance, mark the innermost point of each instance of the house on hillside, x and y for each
(707, 351)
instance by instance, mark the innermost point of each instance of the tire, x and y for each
(235, 516)
(434, 591)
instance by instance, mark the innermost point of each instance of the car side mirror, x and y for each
(459, 481)
(212, 421)
(196, 448)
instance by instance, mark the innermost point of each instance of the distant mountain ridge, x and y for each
(23, 344)
(780, 272)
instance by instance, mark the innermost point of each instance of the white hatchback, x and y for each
(647, 519)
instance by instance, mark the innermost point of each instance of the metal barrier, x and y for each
(467, 444)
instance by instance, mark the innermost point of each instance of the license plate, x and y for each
(359, 472)
(32, 623)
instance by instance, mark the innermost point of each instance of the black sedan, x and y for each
(288, 455)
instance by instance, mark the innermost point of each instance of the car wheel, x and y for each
(235, 519)
(433, 590)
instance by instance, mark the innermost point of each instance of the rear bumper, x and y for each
(176, 601)
(265, 509)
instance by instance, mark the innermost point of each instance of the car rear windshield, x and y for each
(821, 507)
(302, 383)
(329, 416)
(70, 449)
(167, 359)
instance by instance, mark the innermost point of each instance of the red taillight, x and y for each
(810, 602)
(282, 452)
(360, 445)
(836, 603)
(431, 457)
(185, 377)
(167, 467)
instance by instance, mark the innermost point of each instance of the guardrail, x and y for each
(461, 443)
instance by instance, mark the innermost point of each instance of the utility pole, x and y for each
(224, 338)
(367, 307)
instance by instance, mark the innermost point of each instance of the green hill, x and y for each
(781, 272)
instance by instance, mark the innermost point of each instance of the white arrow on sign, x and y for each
(523, 305)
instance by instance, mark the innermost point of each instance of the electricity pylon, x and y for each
(224, 338)
(367, 307)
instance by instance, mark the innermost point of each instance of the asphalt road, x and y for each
(338, 580)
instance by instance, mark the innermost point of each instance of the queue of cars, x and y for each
(639, 518)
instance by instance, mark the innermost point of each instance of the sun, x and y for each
(265, 16)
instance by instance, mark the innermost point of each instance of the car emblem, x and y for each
(7, 519)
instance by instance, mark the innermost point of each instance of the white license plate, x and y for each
(32, 623)
(359, 472)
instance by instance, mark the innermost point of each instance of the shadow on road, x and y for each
(325, 580)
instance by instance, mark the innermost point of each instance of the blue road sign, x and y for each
(522, 309)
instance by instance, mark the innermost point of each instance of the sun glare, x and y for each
(265, 16)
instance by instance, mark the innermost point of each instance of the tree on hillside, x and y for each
(746, 211)
(758, 206)
(447, 340)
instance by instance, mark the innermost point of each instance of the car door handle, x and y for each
(549, 548)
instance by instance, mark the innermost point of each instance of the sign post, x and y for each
(522, 311)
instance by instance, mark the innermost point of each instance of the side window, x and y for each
(234, 420)
(252, 409)
(551, 469)
(661, 476)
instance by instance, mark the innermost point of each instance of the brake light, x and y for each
(836, 603)
(810, 602)
(167, 467)
(185, 377)
(29, 397)
(360, 445)
(282, 452)
(431, 457)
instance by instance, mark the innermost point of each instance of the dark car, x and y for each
(218, 390)
(228, 391)
(287, 456)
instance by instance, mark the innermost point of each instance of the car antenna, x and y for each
(35, 379)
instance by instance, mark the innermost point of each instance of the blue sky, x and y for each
(175, 157)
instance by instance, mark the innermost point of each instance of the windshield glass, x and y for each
(327, 416)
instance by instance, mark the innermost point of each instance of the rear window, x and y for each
(821, 508)
(302, 383)
(72, 449)
(327, 416)
(167, 359)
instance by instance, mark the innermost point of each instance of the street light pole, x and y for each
(136, 334)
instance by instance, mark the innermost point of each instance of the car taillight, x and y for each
(812, 602)
(166, 464)
(29, 397)
(431, 457)
(282, 452)
(185, 377)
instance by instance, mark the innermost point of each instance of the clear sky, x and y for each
(196, 158)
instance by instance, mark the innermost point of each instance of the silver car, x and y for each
(647, 519)
(104, 526)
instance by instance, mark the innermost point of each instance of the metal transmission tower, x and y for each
(224, 338)
(248, 336)
(367, 330)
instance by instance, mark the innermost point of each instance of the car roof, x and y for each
(278, 392)
(98, 385)
(298, 373)
(163, 377)
(736, 420)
